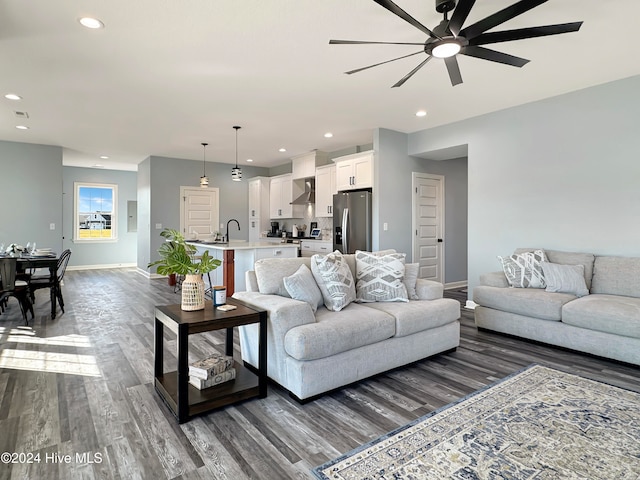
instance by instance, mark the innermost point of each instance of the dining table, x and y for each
(27, 262)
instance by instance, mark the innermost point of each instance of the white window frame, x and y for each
(76, 213)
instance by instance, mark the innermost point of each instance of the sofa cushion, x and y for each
(414, 317)
(605, 313)
(523, 270)
(565, 278)
(334, 278)
(569, 258)
(336, 332)
(302, 286)
(270, 273)
(616, 276)
(531, 302)
(379, 278)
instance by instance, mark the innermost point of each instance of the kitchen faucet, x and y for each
(237, 223)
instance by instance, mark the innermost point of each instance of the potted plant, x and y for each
(178, 257)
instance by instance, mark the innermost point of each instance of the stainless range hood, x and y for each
(309, 195)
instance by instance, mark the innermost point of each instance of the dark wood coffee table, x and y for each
(183, 399)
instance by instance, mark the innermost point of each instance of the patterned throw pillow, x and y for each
(334, 278)
(380, 278)
(524, 270)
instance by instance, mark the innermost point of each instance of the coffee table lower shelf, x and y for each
(244, 386)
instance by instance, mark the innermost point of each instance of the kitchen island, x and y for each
(237, 257)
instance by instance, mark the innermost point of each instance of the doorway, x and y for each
(199, 211)
(428, 225)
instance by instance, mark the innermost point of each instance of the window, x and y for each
(95, 212)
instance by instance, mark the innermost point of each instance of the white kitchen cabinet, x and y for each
(258, 207)
(282, 191)
(354, 171)
(311, 247)
(304, 166)
(325, 190)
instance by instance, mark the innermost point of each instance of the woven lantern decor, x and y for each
(192, 293)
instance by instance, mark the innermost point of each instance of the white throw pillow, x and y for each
(523, 270)
(411, 271)
(380, 278)
(565, 278)
(334, 279)
(302, 286)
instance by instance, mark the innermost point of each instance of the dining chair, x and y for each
(10, 287)
(44, 281)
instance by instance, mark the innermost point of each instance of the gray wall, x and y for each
(393, 199)
(31, 194)
(167, 175)
(561, 173)
(121, 252)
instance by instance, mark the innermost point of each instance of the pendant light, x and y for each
(204, 180)
(236, 172)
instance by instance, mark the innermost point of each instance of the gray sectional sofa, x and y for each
(310, 354)
(604, 322)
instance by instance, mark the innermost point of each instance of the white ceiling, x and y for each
(165, 75)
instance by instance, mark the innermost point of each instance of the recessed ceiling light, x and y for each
(98, 165)
(249, 160)
(328, 135)
(103, 157)
(282, 150)
(90, 22)
(13, 96)
(421, 113)
(22, 127)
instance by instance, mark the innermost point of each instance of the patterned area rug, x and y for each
(536, 424)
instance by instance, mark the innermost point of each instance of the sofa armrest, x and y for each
(428, 289)
(283, 313)
(494, 279)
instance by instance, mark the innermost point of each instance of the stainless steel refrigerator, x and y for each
(352, 221)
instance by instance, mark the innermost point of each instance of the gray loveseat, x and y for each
(310, 354)
(605, 322)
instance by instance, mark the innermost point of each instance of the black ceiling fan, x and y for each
(448, 38)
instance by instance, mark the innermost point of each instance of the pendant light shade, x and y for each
(204, 180)
(236, 172)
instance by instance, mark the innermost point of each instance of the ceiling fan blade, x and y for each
(393, 8)
(493, 56)
(454, 70)
(522, 33)
(497, 18)
(400, 82)
(460, 15)
(359, 42)
(382, 63)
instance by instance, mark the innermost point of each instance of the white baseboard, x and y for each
(452, 285)
(101, 267)
(471, 305)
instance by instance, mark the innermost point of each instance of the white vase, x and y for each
(192, 293)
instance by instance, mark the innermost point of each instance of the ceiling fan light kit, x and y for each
(449, 39)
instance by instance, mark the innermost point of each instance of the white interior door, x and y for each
(199, 211)
(428, 225)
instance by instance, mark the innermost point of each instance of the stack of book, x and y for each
(211, 371)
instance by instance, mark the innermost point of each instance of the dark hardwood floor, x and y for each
(79, 389)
